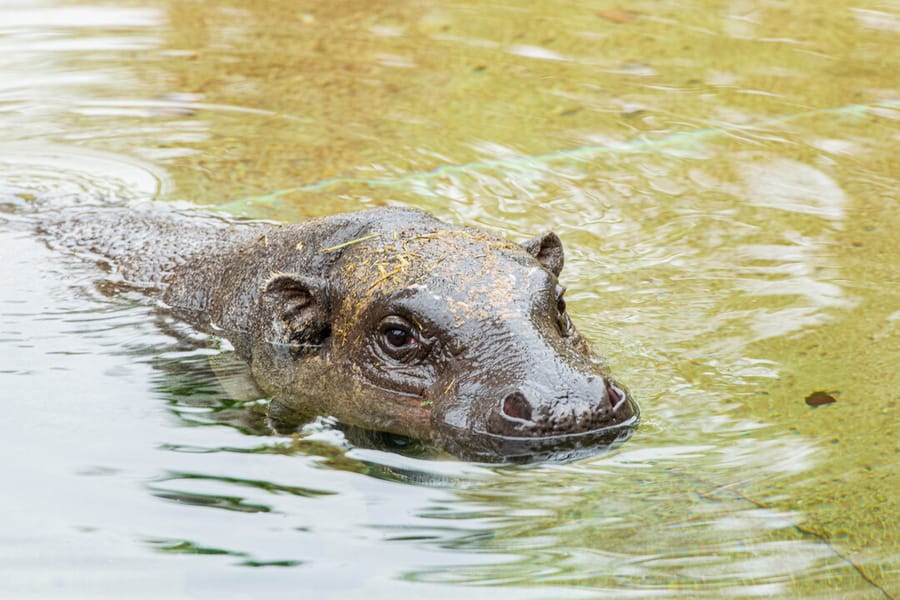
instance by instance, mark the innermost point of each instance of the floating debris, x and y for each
(819, 398)
(618, 15)
(350, 243)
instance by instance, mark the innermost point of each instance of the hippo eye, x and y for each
(398, 338)
(562, 317)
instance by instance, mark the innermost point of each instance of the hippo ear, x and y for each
(297, 309)
(548, 250)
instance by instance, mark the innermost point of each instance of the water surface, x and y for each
(724, 177)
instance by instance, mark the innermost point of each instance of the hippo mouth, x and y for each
(485, 446)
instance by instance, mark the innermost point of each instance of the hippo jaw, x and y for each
(555, 404)
(490, 447)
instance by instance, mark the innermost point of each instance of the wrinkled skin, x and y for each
(387, 319)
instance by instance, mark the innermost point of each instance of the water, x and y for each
(723, 177)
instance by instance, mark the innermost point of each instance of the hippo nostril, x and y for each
(515, 406)
(616, 396)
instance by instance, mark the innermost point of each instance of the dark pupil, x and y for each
(397, 337)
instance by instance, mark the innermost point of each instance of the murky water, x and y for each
(724, 176)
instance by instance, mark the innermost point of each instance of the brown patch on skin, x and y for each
(408, 257)
(404, 415)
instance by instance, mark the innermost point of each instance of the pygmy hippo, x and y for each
(386, 319)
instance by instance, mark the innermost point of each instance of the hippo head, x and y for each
(445, 334)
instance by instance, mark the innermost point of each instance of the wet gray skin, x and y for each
(387, 319)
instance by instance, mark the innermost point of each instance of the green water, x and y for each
(724, 177)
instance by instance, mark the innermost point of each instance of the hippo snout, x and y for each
(534, 411)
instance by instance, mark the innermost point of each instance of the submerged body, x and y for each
(387, 319)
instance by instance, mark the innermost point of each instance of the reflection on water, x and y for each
(724, 181)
